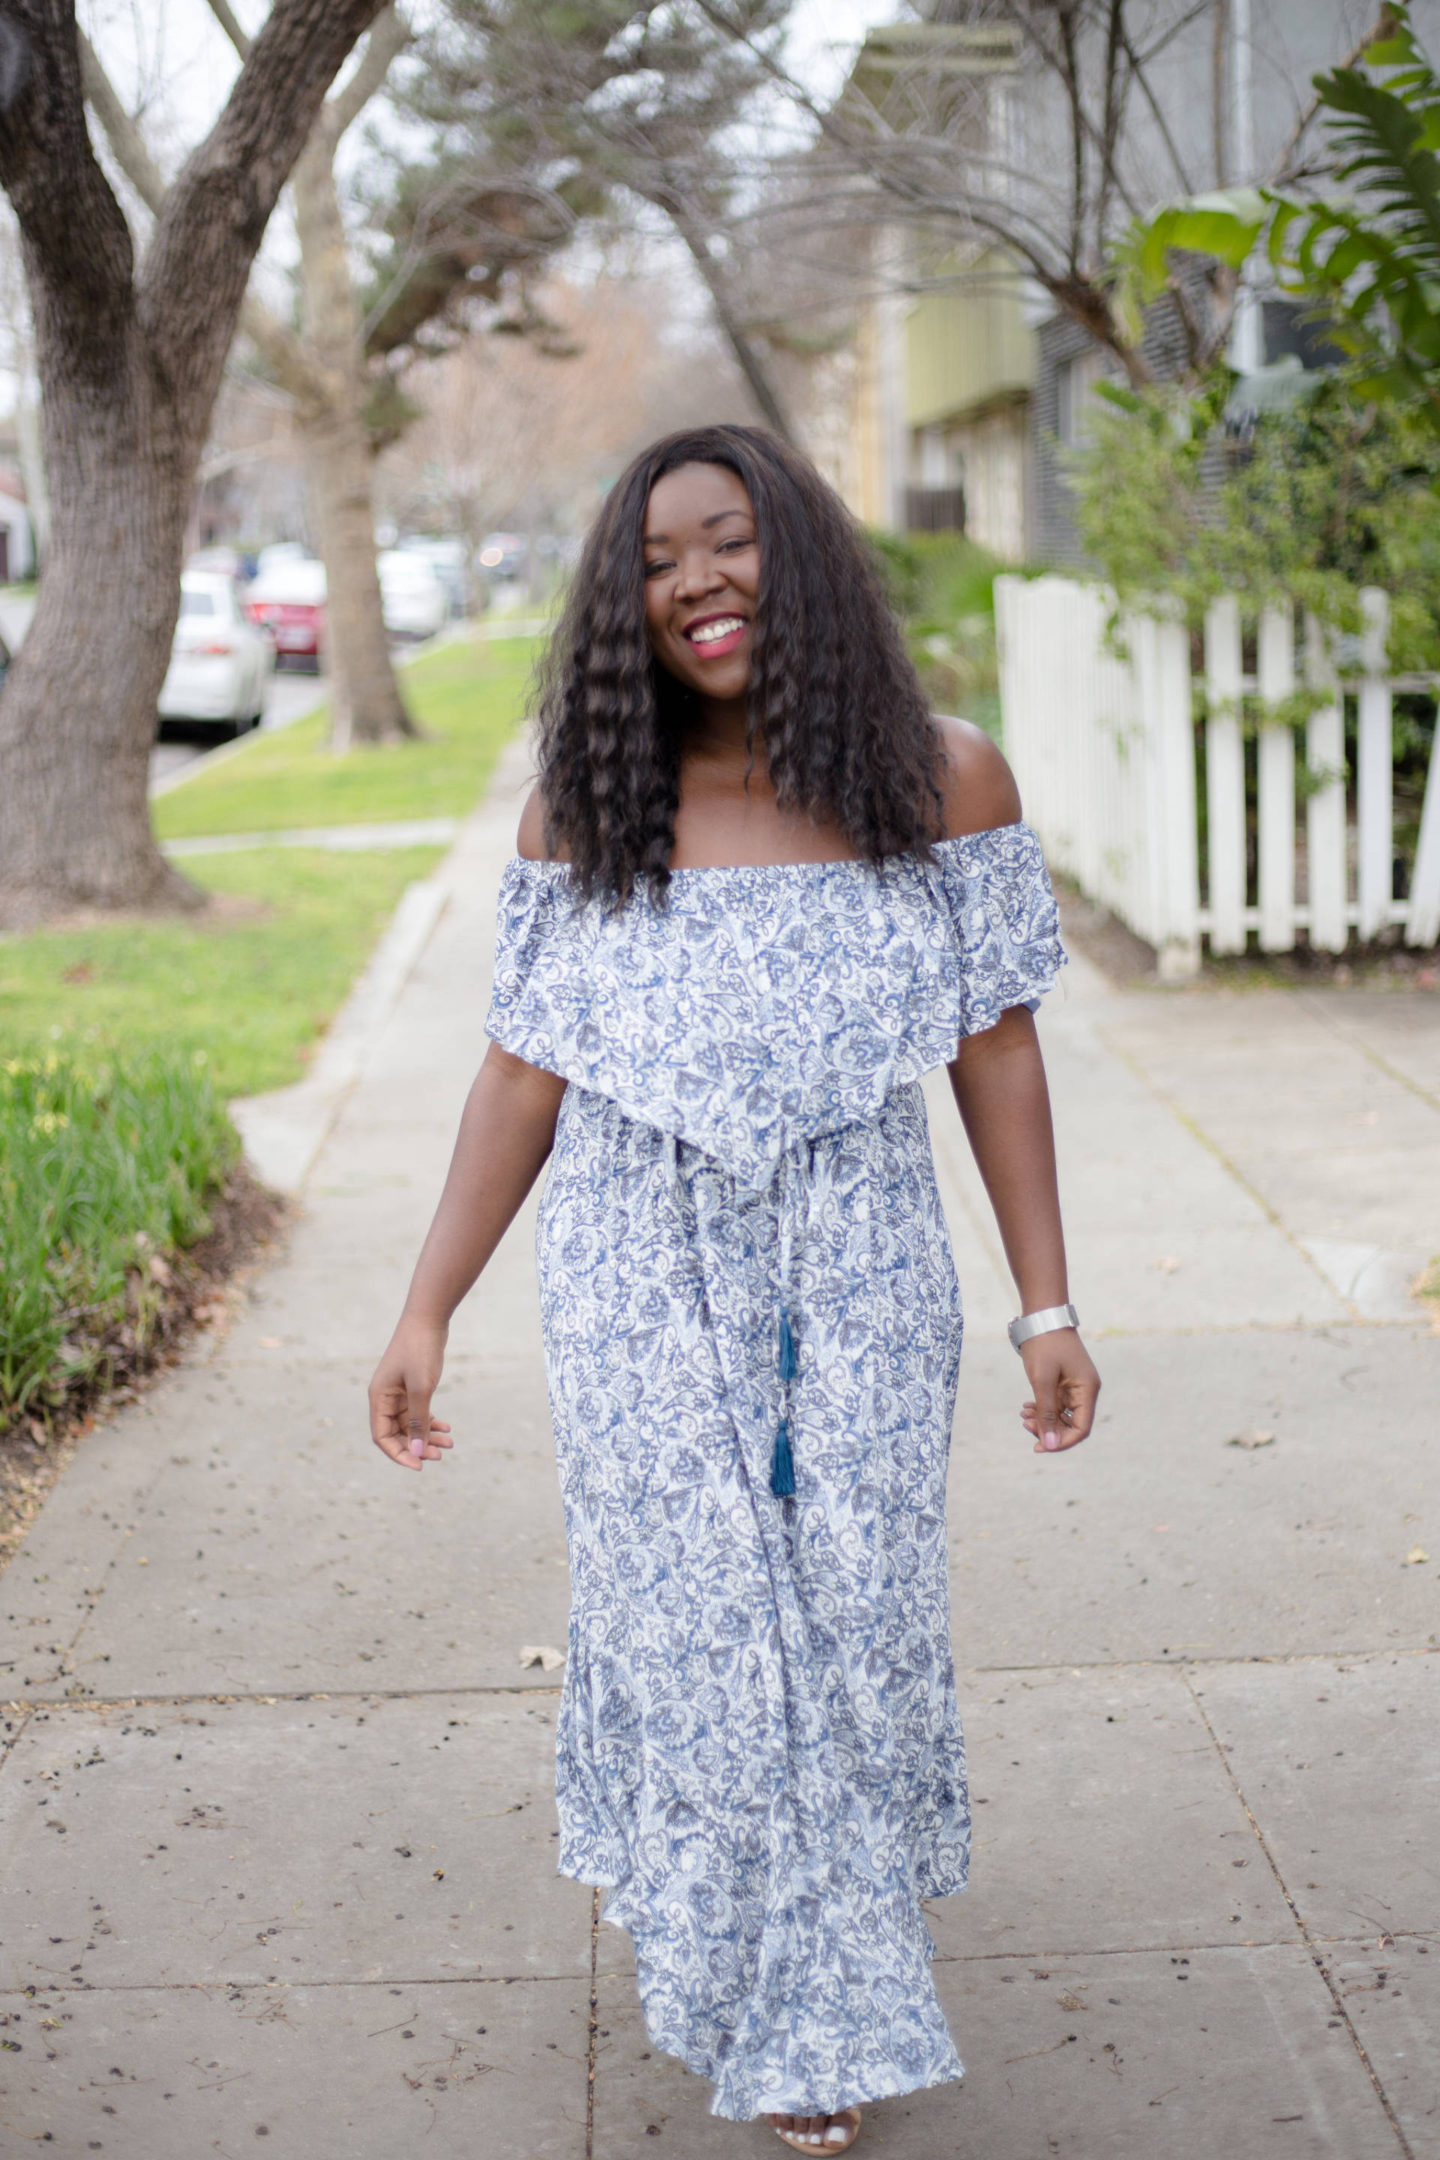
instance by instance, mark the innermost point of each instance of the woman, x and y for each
(760, 891)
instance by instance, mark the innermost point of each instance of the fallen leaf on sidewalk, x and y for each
(1251, 1439)
(542, 1655)
(1168, 1264)
(1416, 1557)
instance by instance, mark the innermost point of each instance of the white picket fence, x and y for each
(1103, 748)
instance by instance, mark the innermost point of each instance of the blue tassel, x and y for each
(789, 1361)
(782, 1465)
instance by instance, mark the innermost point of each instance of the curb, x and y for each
(285, 1130)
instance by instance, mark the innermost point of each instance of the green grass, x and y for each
(250, 984)
(104, 1167)
(468, 696)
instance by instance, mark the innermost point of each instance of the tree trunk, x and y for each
(366, 703)
(77, 719)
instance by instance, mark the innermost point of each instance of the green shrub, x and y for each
(942, 586)
(104, 1171)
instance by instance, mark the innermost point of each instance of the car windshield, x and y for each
(197, 603)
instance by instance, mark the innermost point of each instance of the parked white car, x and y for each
(449, 559)
(414, 601)
(220, 663)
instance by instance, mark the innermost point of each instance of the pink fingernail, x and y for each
(417, 1445)
(1052, 1440)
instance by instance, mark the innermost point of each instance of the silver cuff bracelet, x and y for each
(1041, 1323)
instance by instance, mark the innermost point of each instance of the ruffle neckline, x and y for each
(764, 1005)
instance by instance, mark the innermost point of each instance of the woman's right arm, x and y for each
(505, 1136)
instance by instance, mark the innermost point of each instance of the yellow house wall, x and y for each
(965, 349)
(866, 494)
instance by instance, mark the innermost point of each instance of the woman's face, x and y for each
(702, 578)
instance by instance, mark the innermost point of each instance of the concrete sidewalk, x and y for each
(1199, 1697)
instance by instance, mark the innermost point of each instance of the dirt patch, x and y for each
(1091, 930)
(211, 911)
(204, 1288)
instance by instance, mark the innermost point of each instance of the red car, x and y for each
(288, 600)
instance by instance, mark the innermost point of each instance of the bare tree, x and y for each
(336, 367)
(322, 370)
(130, 358)
(642, 99)
(325, 373)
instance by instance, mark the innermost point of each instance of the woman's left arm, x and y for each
(999, 1084)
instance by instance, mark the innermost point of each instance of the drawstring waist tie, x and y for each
(795, 1178)
(782, 1462)
(796, 1172)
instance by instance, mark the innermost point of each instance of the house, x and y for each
(944, 349)
(969, 385)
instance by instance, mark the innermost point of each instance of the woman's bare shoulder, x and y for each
(530, 839)
(977, 784)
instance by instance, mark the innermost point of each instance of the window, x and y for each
(198, 603)
(1075, 381)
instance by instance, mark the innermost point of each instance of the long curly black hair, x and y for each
(847, 733)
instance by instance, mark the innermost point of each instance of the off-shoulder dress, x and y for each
(759, 1747)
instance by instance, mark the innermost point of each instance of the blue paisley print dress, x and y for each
(759, 1747)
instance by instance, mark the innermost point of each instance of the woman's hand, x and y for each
(1066, 1385)
(405, 1379)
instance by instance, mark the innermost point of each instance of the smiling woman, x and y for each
(759, 892)
(764, 618)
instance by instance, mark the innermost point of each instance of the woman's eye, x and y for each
(652, 569)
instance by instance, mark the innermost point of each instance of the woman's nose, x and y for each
(699, 574)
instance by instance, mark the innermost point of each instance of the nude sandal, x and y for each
(839, 2135)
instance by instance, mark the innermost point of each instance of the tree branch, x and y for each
(1080, 115)
(278, 345)
(78, 249)
(225, 17)
(696, 240)
(1284, 172)
(1112, 112)
(227, 189)
(132, 153)
(390, 33)
(283, 352)
(1157, 115)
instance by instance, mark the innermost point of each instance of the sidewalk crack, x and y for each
(1310, 1941)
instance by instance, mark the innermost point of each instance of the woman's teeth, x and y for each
(708, 633)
